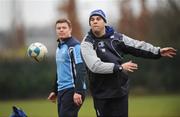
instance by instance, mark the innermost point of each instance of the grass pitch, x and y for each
(140, 106)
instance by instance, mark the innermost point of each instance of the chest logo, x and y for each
(101, 44)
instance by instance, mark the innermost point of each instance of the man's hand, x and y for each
(77, 99)
(129, 66)
(168, 52)
(52, 97)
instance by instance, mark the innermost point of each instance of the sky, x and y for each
(33, 12)
(42, 12)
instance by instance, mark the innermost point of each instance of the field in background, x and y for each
(139, 106)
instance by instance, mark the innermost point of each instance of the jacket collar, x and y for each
(65, 40)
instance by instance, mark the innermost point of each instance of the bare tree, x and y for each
(17, 39)
(70, 9)
(143, 22)
(126, 23)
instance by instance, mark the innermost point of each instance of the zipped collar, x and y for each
(65, 40)
(71, 41)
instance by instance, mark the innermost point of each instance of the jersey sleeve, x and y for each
(77, 54)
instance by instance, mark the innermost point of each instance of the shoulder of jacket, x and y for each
(73, 42)
(118, 35)
(89, 39)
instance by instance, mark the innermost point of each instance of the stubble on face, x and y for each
(63, 31)
(97, 25)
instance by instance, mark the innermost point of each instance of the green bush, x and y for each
(24, 78)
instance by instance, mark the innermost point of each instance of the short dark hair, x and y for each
(64, 20)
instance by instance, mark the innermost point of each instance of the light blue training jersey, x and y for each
(63, 62)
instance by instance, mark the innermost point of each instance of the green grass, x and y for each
(155, 106)
(140, 106)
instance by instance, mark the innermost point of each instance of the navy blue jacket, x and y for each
(103, 57)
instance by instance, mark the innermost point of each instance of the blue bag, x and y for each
(17, 112)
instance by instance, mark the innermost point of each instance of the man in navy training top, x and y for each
(103, 50)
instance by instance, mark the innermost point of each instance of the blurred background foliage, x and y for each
(21, 77)
(24, 78)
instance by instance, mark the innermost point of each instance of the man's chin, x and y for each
(96, 31)
(62, 37)
(96, 28)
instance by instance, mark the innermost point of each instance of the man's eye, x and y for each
(92, 19)
(64, 27)
(98, 18)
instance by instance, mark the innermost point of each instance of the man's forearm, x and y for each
(93, 62)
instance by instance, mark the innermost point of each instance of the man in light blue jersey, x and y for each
(70, 85)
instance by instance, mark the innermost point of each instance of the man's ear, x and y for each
(71, 30)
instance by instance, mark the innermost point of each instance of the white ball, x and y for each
(37, 51)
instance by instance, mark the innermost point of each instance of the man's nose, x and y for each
(95, 22)
(61, 30)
